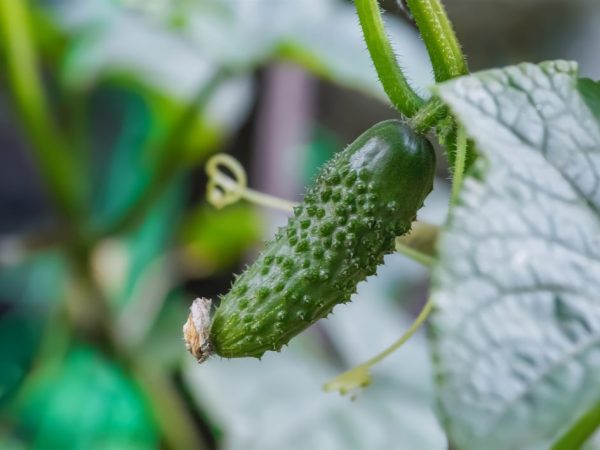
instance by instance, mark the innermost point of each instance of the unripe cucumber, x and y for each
(362, 199)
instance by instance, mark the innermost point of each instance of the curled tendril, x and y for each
(222, 190)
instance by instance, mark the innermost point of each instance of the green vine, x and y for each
(394, 82)
(436, 30)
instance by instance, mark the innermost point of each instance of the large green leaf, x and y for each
(517, 322)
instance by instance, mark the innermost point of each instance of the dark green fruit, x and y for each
(362, 199)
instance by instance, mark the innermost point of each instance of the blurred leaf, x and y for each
(517, 324)
(16, 359)
(128, 126)
(110, 43)
(322, 35)
(590, 91)
(278, 402)
(9, 442)
(86, 403)
(27, 293)
(323, 146)
(216, 239)
(163, 343)
(332, 46)
(154, 237)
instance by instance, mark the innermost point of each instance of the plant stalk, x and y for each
(394, 82)
(442, 45)
(58, 170)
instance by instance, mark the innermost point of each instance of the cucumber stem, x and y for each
(429, 116)
(394, 82)
(442, 45)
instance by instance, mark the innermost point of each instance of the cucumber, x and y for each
(362, 199)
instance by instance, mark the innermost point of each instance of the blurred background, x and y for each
(139, 93)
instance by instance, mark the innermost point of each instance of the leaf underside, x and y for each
(516, 332)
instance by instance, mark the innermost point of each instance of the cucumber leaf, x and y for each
(517, 322)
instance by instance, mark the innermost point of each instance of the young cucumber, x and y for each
(362, 199)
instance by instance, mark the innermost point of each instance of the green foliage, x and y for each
(28, 292)
(215, 239)
(85, 403)
(363, 198)
(516, 329)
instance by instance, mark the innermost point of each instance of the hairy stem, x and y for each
(429, 115)
(442, 45)
(459, 163)
(395, 84)
(63, 179)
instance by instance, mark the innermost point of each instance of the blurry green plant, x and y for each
(514, 332)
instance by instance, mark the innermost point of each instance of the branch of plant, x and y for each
(428, 116)
(392, 78)
(56, 165)
(442, 45)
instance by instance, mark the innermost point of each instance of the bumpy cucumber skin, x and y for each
(362, 199)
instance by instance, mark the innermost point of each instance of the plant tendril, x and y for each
(359, 377)
(222, 190)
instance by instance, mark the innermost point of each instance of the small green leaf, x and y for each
(517, 322)
(590, 91)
